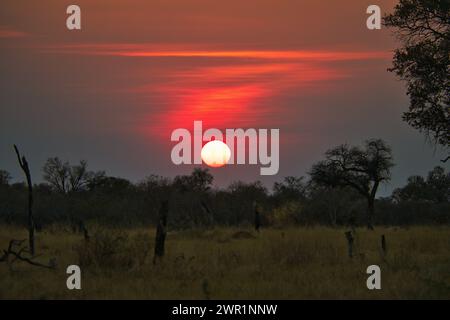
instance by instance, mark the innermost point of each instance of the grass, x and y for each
(226, 263)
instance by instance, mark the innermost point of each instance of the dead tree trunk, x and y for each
(383, 245)
(257, 218)
(15, 250)
(350, 240)
(31, 226)
(82, 229)
(208, 213)
(161, 231)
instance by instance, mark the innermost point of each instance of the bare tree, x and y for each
(31, 226)
(56, 174)
(360, 169)
(66, 178)
(5, 177)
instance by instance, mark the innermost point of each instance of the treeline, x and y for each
(193, 203)
(332, 195)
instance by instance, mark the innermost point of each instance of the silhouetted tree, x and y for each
(5, 177)
(257, 221)
(423, 27)
(415, 189)
(436, 188)
(56, 174)
(109, 185)
(241, 197)
(200, 180)
(360, 168)
(117, 202)
(439, 182)
(292, 188)
(154, 183)
(161, 231)
(65, 178)
(31, 226)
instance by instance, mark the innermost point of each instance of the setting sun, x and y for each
(216, 154)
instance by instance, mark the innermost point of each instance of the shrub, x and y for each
(286, 215)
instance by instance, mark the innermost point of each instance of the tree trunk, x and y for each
(383, 245)
(257, 218)
(350, 241)
(31, 226)
(370, 212)
(161, 231)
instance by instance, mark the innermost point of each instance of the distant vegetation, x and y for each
(337, 193)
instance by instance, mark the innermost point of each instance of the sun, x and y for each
(216, 154)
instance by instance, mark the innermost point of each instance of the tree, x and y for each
(292, 188)
(109, 185)
(334, 206)
(161, 231)
(5, 177)
(65, 178)
(435, 189)
(362, 169)
(200, 180)
(241, 200)
(154, 183)
(439, 182)
(56, 174)
(414, 190)
(31, 225)
(423, 27)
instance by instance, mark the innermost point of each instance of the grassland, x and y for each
(226, 263)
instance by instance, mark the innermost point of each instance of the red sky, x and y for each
(112, 92)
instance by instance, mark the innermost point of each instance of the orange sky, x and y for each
(113, 92)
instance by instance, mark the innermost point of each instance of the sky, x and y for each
(113, 92)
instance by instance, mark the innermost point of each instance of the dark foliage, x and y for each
(362, 169)
(423, 61)
(192, 202)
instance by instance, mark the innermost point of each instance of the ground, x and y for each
(232, 263)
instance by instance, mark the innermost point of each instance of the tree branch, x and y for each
(18, 255)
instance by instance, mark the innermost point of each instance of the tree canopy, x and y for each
(362, 169)
(423, 28)
(435, 188)
(66, 178)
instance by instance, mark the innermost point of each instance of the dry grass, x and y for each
(295, 263)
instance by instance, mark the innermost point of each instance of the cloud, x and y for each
(8, 32)
(204, 51)
(225, 87)
(247, 89)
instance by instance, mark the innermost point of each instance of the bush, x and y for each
(288, 214)
(114, 249)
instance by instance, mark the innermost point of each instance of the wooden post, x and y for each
(161, 231)
(31, 226)
(82, 229)
(383, 245)
(205, 288)
(350, 240)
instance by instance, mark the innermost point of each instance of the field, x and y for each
(230, 263)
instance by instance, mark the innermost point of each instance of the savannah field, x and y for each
(231, 263)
